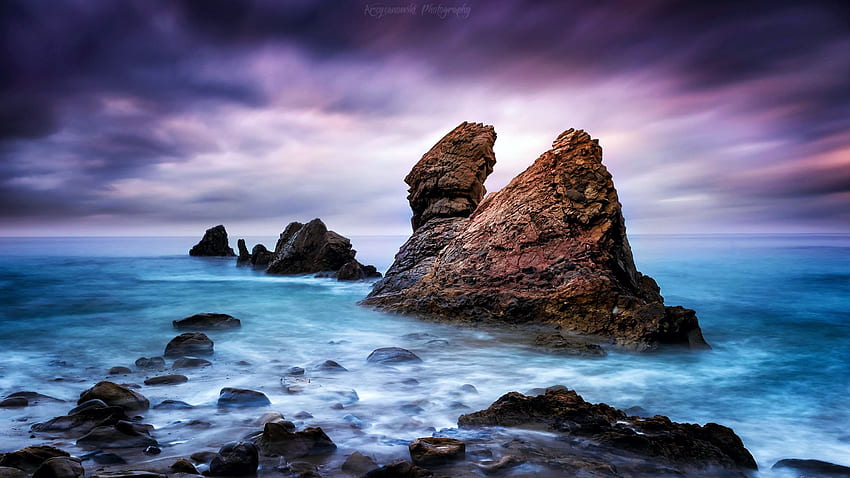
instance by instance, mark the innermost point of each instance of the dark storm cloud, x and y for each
(87, 87)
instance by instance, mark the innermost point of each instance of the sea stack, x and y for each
(550, 247)
(214, 243)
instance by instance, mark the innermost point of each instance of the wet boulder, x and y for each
(430, 451)
(241, 397)
(14, 402)
(60, 467)
(30, 458)
(119, 371)
(569, 345)
(330, 366)
(278, 440)
(115, 395)
(207, 321)
(214, 243)
(183, 465)
(190, 343)
(9, 472)
(392, 355)
(235, 459)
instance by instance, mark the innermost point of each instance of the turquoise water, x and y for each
(775, 309)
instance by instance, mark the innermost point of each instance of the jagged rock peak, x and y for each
(214, 243)
(549, 247)
(449, 179)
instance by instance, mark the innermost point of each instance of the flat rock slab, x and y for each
(207, 321)
(167, 380)
(814, 468)
(392, 355)
(240, 397)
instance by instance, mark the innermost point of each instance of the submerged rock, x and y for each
(549, 247)
(153, 363)
(190, 343)
(190, 362)
(207, 321)
(358, 464)
(14, 402)
(565, 412)
(84, 418)
(167, 380)
(214, 243)
(575, 346)
(115, 395)
(813, 468)
(121, 435)
(391, 355)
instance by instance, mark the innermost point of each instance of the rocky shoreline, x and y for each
(108, 423)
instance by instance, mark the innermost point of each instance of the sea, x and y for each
(775, 309)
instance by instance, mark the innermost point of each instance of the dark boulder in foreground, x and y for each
(400, 469)
(235, 459)
(115, 395)
(30, 458)
(83, 418)
(214, 243)
(549, 247)
(189, 344)
(813, 468)
(60, 467)
(278, 440)
(689, 446)
(167, 380)
(123, 434)
(207, 321)
(430, 451)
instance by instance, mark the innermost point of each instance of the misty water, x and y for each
(774, 308)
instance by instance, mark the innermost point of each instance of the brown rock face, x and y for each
(549, 247)
(449, 179)
(565, 412)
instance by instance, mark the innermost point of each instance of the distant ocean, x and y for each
(775, 308)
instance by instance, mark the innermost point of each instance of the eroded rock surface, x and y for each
(690, 446)
(549, 247)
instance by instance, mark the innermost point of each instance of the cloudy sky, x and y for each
(164, 117)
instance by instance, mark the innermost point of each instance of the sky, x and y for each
(165, 117)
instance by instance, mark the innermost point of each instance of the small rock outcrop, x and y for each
(115, 395)
(392, 355)
(207, 321)
(563, 411)
(260, 256)
(813, 468)
(312, 248)
(30, 458)
(214, 243)
(244, 255)
(549, 247)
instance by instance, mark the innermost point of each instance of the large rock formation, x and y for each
(550, 247)
(601, 428)
(214, 243)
